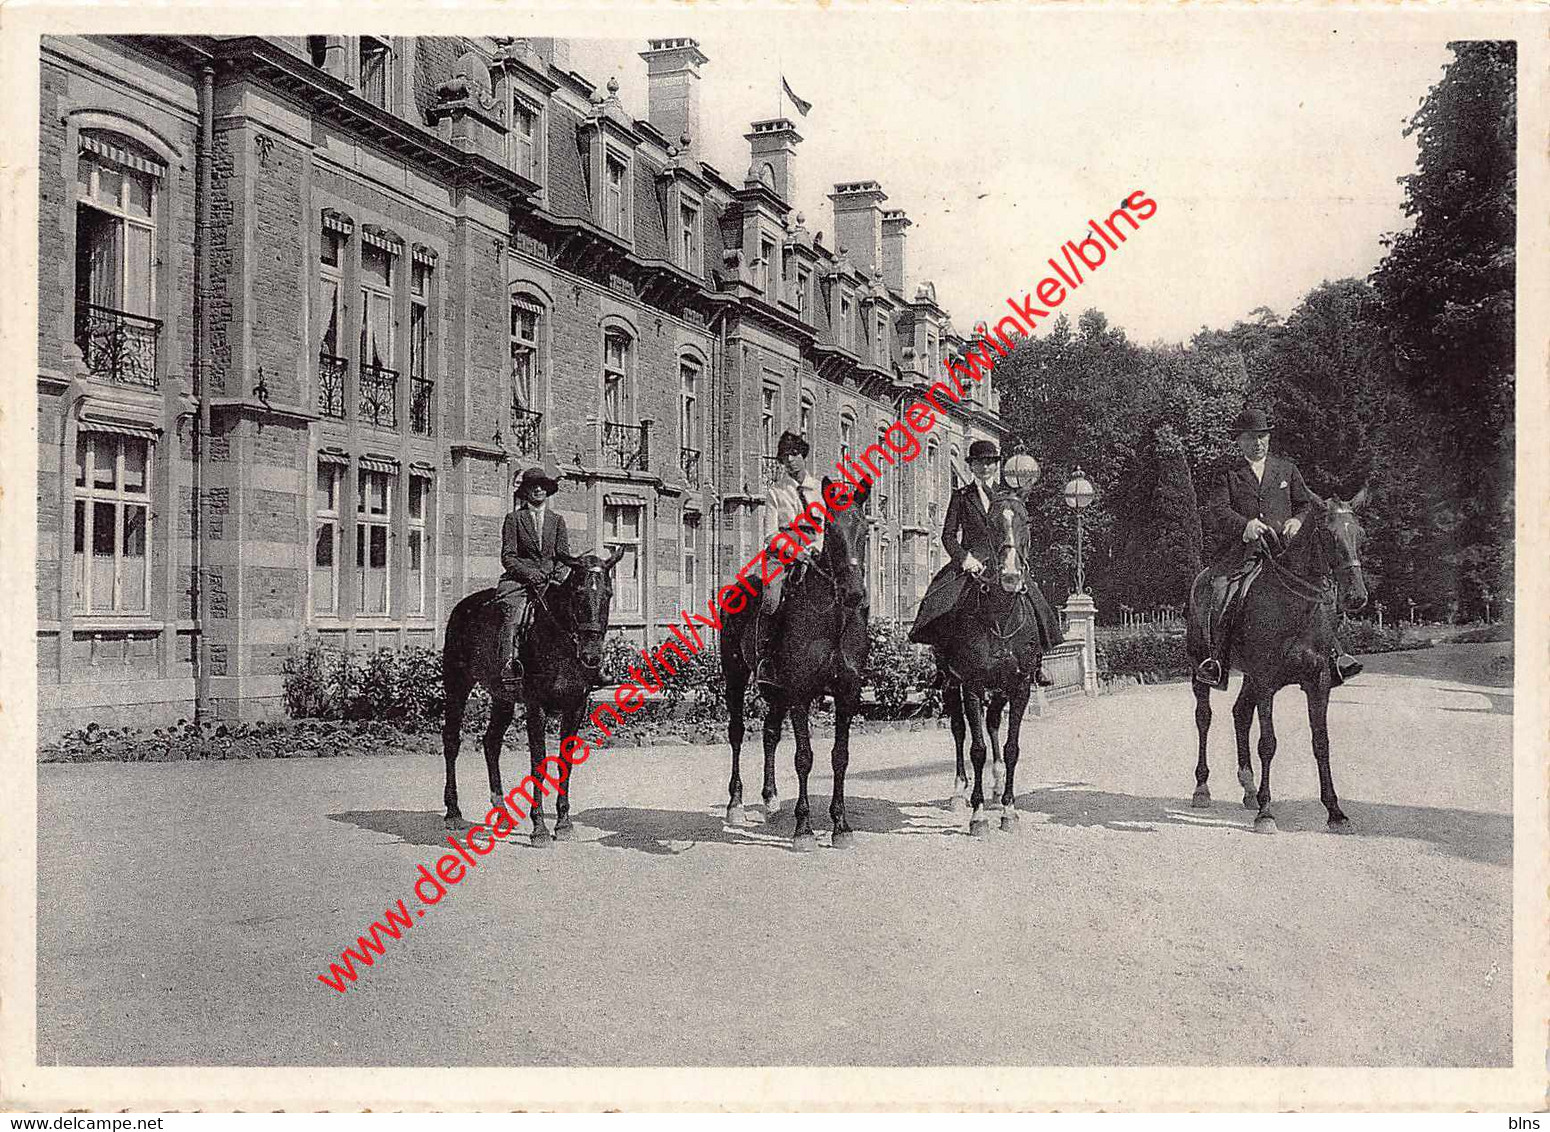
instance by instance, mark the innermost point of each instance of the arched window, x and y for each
(618, 397)
(691, 387)
(527, 368)
(847, 432)
(805, 422)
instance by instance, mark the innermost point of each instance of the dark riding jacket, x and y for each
(1236, 497)
(528, 555)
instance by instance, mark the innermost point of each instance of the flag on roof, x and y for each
(802, 105)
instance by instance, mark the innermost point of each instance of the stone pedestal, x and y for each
(1081, 620)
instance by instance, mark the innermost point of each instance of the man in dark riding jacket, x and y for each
(533, 541)
(970, 535)
(1250, 508)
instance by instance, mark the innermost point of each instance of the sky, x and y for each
(1272, 147)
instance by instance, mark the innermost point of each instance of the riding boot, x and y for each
(508, 665)
(764, 649)
(1212, 671)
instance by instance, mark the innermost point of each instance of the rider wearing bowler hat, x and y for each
(1251, 507)
(533, 542)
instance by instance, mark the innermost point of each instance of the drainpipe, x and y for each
(201, 384)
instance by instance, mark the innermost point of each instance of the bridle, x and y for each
(1325, 594)
(575, 627)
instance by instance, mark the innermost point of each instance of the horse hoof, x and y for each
(979, 827)
(451, 821)
(1008, 820)
(959, 803)
(1340, 824)
(1202, 799)
(844, 839)
(771, 807)
(736, 817)
(993, 803)
(804, 843)
(540, 840)
(564, 833)
(1250, 801)
(1264, 824)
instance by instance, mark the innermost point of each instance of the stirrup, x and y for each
(1209, 672)
(765, 674)
(1342, 668)
(1042, 679)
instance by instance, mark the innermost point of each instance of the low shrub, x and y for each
(1365, 637)
(1146, 654)
(899, 672)
(1488, 634)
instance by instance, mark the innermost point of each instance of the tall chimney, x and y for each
(894, 225)
(858, 223)
(555, 52)
(673, 88)
(773, 142)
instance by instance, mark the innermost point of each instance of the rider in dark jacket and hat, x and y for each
(533, 541)
(970, 537)
(1256, 503)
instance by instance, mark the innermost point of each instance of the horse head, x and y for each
(1345, 538)
(845, 546)
(1010, 514)
(585, 597)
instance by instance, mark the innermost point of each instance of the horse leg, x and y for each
(774, 720)
(1242, 716)
(974, 706)
(1318, 723)
(952, 700)
(802, 838)
(840, 762)
(1202, 798)
(1014, 729)
(1264, 821)
(570, 724)
(993, 734)
(539, 838)
(501, 713)
(458, 687)
(737, 685)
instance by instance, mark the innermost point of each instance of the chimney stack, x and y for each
(773, 142)
(858, 223)
(555, 52)
(673, 88)
(894, 225)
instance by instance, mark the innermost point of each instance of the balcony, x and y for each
(379, 396)
(626, 447)
(689, 463)
(331, 371)
(769, 469)
(118, 346)
(526, 431)
(421, 390)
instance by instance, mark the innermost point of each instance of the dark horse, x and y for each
(823, 646)
(561, 658)
(992, 653)
(1283, 636)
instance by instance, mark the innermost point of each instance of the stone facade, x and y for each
(524, 274)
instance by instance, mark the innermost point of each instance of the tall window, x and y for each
(420, 385)
(376, 57)
(618, 400)
(329, 279)
(933, 360)
(689, 237)
(802, 304)
(524, 352)
(768, 423)
(524, 139)
(882, 600)
(419, 498)
(847, 433)
(622, 528)
(881, 342)
(379, 380)
(325, 543)
(373, 516)
(933, 479)
(115, 242)
(112, 524)
(845, 339)
(689, 404)
(770, 273)
(690, 578)
(805, 421)
(616, 197)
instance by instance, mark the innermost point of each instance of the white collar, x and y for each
(1258, 467)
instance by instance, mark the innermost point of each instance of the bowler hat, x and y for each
(1250, 420)
(790, 442)
(536, 475)
(983, 450)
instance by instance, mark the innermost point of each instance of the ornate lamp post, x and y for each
(1079, 493)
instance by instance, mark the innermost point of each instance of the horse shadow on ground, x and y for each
(411, 827)
(1465, 834)
(670, 832)
(1500, 703)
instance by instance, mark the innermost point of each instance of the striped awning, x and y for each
(119, 428)
(379, 464)
(381, 238)
(119, 154)
(420, 469)
(333, 456)
(425, 255)
(337, 222)
(526, 303)
(623, 500)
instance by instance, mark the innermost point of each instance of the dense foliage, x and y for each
(1404, 382)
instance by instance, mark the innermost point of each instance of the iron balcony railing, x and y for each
(379, 396)
(421, 390)
(331, 371)
(689, 462)
(626, 446)
(118, 346)
(526, 430)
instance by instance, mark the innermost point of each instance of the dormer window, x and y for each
(845, 339)
(689, 237)
(803, 275)
(932, 351)
(881, 344)
(767, 259)
(524, 139)
(376, 57)
(616, 196)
